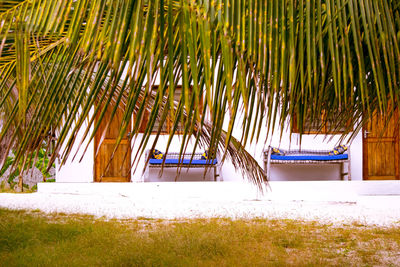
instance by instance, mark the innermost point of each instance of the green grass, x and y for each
(32, 238)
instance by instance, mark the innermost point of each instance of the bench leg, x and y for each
(268, 170)
(342, 171)
(145, 175)
(349, 171)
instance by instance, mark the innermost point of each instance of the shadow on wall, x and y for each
(169, 174)
(301, 172)
(293, 172)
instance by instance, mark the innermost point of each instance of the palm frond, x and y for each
(260, 63)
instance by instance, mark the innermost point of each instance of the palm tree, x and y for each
(253, 62)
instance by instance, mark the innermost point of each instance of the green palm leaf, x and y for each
(256, 62)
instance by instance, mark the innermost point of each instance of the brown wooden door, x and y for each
(381, 149)
(119, 167)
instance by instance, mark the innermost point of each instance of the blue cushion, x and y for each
(185, 161)
(311, 157)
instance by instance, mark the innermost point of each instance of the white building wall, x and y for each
(77, 170)
(82, 171)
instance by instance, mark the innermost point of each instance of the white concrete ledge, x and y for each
(373, 188)
(342, 191)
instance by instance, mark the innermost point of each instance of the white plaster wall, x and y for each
(83, 171)
(77, 171)
(299, 172)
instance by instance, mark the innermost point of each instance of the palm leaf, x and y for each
(254, 62)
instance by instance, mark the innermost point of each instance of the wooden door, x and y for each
(118, 169)
(381, 149)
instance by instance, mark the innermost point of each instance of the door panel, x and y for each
(118, 169)
(381, 149)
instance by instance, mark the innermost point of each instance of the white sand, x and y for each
(379, 210)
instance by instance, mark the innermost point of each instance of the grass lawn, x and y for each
(36, 239)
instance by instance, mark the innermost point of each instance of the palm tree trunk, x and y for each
(4, 144)
(20, 182)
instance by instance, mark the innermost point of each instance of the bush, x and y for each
(41, 163)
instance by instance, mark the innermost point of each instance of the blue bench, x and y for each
(168, 161)
(187, 160)
(307, 157)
